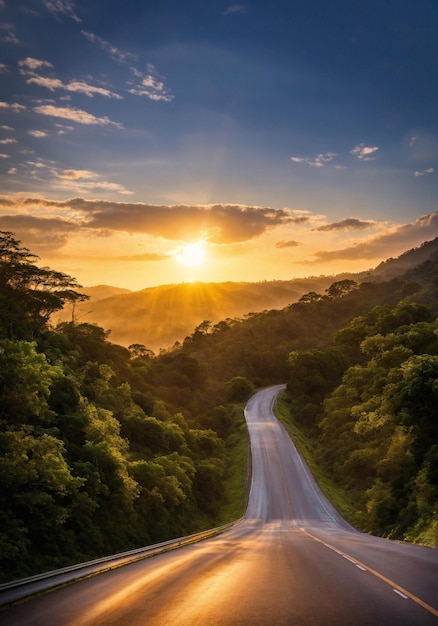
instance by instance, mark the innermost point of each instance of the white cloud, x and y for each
(364, 152)
(76, 86)
(38, 133)
(89, 90)
(4, 156)
(12, 171)
(151, 85)
(14, 106)
(61, 7)
(75, 174)
(429, 170)
(63, 129)
(318, 161)
(30, 65)
(114, 52)
(44, 81)
(75, 115)
(7, 140)
(3, 68)
(33, 64)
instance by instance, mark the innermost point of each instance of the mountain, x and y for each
(428, 251)
(159, 316)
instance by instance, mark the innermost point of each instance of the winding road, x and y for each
(291, 561)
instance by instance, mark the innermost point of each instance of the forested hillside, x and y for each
(95, 457)
(105, 448)
(161, 316)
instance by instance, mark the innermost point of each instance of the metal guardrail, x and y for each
(17, 590)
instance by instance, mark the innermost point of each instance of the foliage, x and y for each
(376, 427)
(104, 448)
(29, 294)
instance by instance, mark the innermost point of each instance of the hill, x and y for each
(160, 316)
(103, 449)
(408, 260)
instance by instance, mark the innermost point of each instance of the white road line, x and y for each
(396, 588)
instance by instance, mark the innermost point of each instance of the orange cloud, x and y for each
(384, 244)
(220, 223)
(351, 223)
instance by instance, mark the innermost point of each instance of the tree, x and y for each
(29, 295)
(341, 288)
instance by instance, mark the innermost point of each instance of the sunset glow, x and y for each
(192, 254)
(250, 129)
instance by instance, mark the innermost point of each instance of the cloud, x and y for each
(76, 174)
(114, 52)
(351, 223)
(33, 64)
(63, 129)
(3, 68)
(12, 170)
(14, 106)
(29, 66)
(75, 115)
(219, 223)
(4, 156)
(235, 8)
(38, 133)
(7, 34)
(393, 241)
(7, 140)
(80, 181)
(76, 86)
(61, 7)
(79, 86)
(150, 85)
(287, 244)
(429, 170)
(318, 161)
(42, 234)
(363, 152)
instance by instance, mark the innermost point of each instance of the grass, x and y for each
(236, 484)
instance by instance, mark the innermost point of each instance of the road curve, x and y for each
(292, 560)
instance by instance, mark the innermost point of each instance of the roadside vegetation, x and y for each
(105, 448)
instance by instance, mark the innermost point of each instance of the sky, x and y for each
(158, 141)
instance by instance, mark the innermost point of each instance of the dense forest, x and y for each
(105, 448)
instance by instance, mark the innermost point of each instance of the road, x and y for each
(291, 561)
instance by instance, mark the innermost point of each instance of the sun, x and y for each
(192, 254)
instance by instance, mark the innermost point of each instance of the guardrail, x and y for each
(17, 590)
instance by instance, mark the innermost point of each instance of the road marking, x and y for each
(396, 588)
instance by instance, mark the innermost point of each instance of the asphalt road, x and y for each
(292, 561)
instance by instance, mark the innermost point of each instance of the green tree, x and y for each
(29, 294)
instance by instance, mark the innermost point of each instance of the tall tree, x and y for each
(29, 294)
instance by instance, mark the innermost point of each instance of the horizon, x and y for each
(233, 142)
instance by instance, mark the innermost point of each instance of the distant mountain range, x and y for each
(159, 316)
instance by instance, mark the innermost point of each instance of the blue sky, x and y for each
(291, 138)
